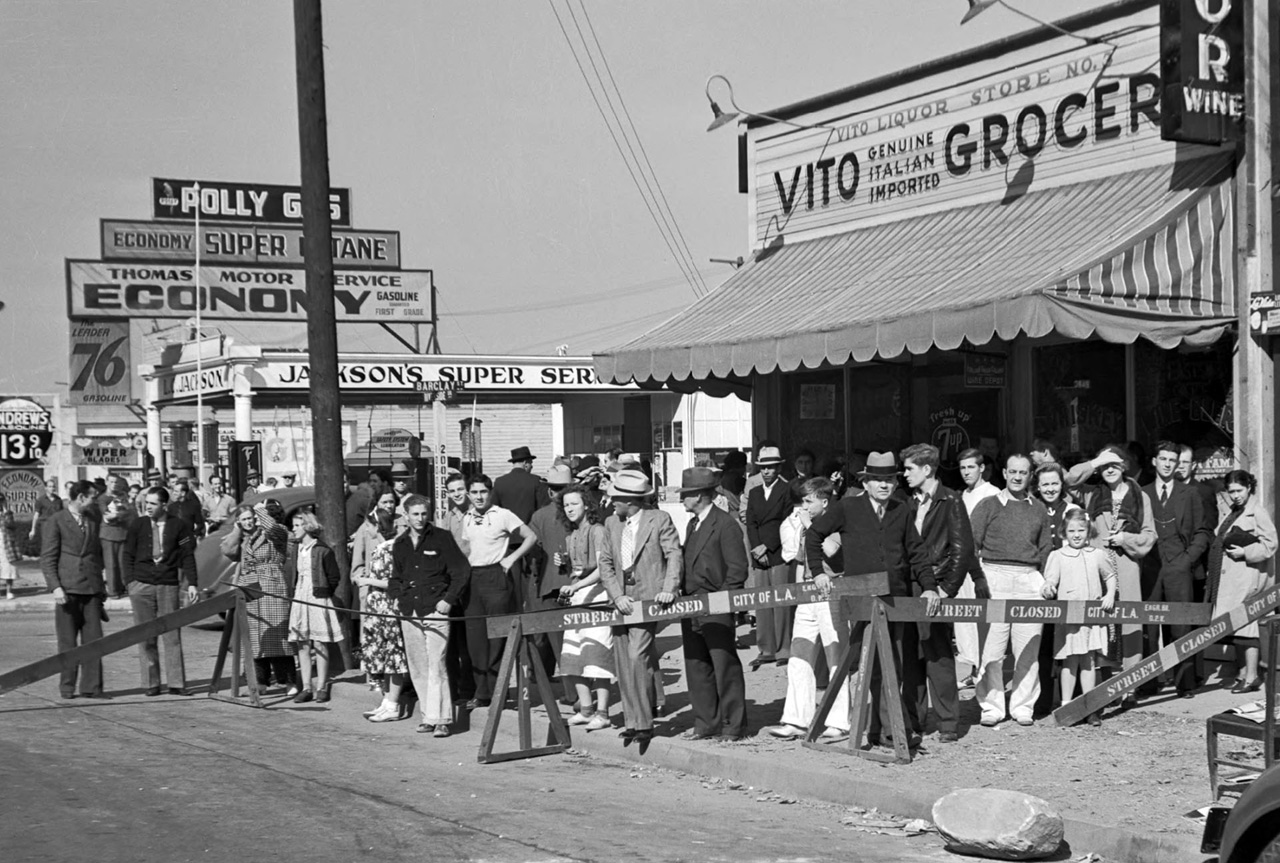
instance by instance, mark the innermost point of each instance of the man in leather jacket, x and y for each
(942, 521)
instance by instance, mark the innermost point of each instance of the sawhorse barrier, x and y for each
(876, 641)
(117, 641)
(519, 656)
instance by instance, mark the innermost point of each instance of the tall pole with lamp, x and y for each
(199, 340)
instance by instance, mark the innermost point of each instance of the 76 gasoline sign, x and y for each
(26, 432)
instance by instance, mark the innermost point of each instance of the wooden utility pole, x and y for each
(317, 230)
(1254, 407)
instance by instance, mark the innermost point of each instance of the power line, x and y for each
(630, 171)
(636, 134)
(570, 301)
(440, 296)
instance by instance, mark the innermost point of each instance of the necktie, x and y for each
(693, 525)
(1164, 494)
(628, 545)
(879, 508)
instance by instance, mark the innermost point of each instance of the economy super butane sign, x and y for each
(109, 289)
(1067, 113)
(220, 243)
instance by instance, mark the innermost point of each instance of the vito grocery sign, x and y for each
(1075, 114)
(106, 289)
(238, 202)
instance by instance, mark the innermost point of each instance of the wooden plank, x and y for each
(516, 755)
(115, 642)
(860, 693)
(891, 683)
(220, 659)
(696, 605)
(1052, 611)
(557, 727)
(1168, 657)
(522, 696)
(496, 706)
(843, 668)
(246, 652)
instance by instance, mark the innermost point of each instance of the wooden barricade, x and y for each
(116, 642)
(1169, 656)
(520, 657)
(235, 639)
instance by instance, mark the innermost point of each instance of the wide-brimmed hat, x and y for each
(881, 465)
(630, 483)
(698, 479)
(768, 456)
(627, 460)
(521, 453)
(587, 464)
(559, 475)
(153, 475)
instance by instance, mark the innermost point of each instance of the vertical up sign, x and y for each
(1202, 70)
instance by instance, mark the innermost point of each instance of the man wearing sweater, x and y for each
(159, 551)
(1011, 533)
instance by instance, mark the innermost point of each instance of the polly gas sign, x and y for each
(1202, 70)
(238, 202)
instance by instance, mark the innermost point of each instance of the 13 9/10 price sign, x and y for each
(23, 446)
(100, 363)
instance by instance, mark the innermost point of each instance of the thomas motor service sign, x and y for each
(108, 289)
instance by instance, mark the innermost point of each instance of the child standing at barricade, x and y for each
(1079, 571)
(313, 619)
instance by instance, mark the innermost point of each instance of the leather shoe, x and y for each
(947, 737)
(174, 690)
(1246, 686)
(1186, 695)
(153, 692)
(784, 731)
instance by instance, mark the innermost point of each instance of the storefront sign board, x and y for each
(983, 371)
(100, 373)
(418, 375)
(26, 432)
(22, 488)
(238, 202)
(108, 289)
(1202, 70)
(105, 452)
(207, 381)
(274, 245)
(1264, 313)
(1072, 114)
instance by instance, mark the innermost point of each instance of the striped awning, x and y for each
(1141, 254)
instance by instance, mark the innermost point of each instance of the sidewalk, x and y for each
(1122, 788)
(33, 596)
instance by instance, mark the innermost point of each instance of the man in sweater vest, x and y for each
(1012, 535)
(159, 552)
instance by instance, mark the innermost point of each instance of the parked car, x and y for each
(1251, 832)
(212, 565)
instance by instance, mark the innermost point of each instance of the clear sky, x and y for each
(464, 125)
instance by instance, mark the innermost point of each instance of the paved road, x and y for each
(171, 779)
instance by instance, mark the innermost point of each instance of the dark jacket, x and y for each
(948, 537)
(71, 557)
(1182, 534)
(765, 518)
(325, 576)
(521, 492)
(870, 544)
(423, 575)
(548, 578)
(190, 511)
(714, 557)
(178, 558)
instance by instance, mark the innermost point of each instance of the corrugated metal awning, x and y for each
(1147, 253)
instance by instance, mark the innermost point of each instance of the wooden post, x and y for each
(519, 657)
(322, 329)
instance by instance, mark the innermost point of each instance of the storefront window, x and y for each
(879, 407)
(813, 414)
(1079, 394)
(1184, 395)
(955, 405)
(605, 438)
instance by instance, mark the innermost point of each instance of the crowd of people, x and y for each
(412, 615)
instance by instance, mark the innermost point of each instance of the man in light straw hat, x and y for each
(714, 559)
(877, 534)
(768, 505)
(641, 562)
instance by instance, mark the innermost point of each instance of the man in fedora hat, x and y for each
(546, 577)
(640, 562)
(519, 490)
(877, 534)
(714, 559)
(768, 505)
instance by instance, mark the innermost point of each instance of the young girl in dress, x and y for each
(313, 620)
(587, 655)
(1078, 571)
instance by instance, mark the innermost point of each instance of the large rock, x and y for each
(990, 822)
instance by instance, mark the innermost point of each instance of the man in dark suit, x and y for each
(714, 559)
(1182, 537)
(942, 521)
(187, 507)
(640, 562)
(519, 490)
(159, 551)
(768, 505)
(877, 534)
(71, 561)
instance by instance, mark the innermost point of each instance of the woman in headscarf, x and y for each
(260, 543)
(1239, 565)
(1123, 527)
(381, 641)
